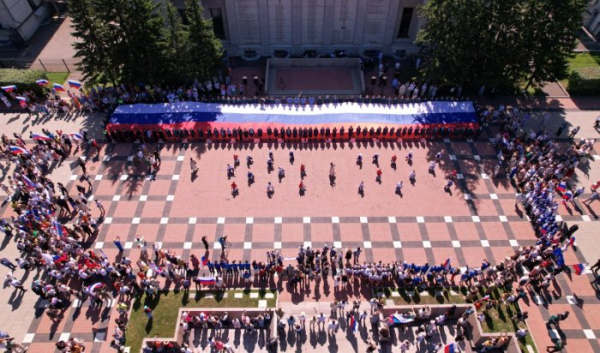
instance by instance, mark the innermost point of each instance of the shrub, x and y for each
(23, 79)
(585, 81)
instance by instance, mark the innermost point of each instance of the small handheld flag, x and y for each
(77, 136)
(58, 87)
(42, 82)
(21, 99)
(28, 182)
(451, 348)
(9, 88)
(447, 265)
(568, 195)
(353, 324)
(571, 241)
(38, 137)
(74, 84)
(562, 187)
(205, 261)
(18, 150)
(207, 281)
(579, 268)
(59, 229)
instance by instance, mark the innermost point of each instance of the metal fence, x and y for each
(47, 65)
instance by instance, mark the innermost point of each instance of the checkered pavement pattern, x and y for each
(477, 221)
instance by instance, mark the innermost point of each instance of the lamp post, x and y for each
(382, 83)
(373, 82)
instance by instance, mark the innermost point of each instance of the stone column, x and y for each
(263, 6)
(297, 22)
(360, 23)
(328, 23)
(392, 25)
(232, 27)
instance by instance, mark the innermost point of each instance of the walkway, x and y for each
(474, 223)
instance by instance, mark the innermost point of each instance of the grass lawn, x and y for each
(427, 297)
(581, 60)
(165, 309)
(587, 64)
(57, 77)
(497, 320)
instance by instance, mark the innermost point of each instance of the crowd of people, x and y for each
(38, 227)
(537, 165)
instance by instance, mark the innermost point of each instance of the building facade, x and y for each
(20, 19)
(591, 17)
(324, 26)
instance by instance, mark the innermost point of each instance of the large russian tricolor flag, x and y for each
(21, 99)
(58, 87)
(562, 187)
(74, 84)
(42, 82)
(9, 88)
(18, 150)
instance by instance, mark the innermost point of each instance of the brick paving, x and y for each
(476, 221)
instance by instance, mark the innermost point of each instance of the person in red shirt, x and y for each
(234, 189)
(302, 187)
(302, 171)
(378, 178)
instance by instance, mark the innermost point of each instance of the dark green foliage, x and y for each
(23, 79)
(585, 82)
(205, 49)
(142, 41)
(499, 43)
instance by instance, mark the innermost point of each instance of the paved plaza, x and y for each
(477, 221)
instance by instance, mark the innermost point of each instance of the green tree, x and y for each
(175, 36)
(483, 42)
(205, 50)
(141, 47)
(92, 46)
(549, 31)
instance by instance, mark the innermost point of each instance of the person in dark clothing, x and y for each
(81, 163)
(596, 267)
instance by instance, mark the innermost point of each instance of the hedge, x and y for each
(585, 81)
(23, 79)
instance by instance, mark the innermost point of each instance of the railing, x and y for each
(47, 65)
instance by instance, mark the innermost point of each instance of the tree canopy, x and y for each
(498, 43)
(143, 41)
